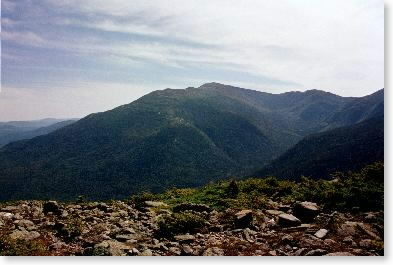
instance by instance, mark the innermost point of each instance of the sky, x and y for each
(70, 58)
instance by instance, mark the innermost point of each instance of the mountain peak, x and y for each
(212, 85)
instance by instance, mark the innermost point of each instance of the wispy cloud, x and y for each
(272, 45)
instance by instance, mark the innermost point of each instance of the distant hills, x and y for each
(19, 130)
(183, 138)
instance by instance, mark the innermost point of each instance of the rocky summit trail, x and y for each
(120, 228)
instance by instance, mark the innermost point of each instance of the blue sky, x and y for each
(69, 58)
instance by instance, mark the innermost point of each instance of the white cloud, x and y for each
(28, 37)
(333, 45)
(309, 42)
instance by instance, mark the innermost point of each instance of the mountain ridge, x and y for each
(168, 138)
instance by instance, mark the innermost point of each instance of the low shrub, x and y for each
(180, 223)
(363, 189)
(19, 247)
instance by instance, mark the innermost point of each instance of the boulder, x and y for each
(124, 238)
(191, 207)
(301, 228)
(288, 220)
(113, 248)
(243, 219)
(175, 251)
(369, 231)
(309, 241)
(24, 235)
(51, 206)
(306, 211)
(366, 243)
(316, 252)
(273, 253)
(6, 216)
(146, 252)
(274, 212)
(287, 239)
(184, 238)
(103, 207)
(329, 242)
(214, 251)
(246, 233)
(321, 233)
(26, 224)
(339, 254)
(347, 229)
(12, 209)
(187, 250)
(155, 204)
(300, 252)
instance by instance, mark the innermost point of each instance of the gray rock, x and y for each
(259, 252)
(64, 214)
(288, 220)
(27, 224)
(369, 231)
(371, 217)
(330, 242)
(18, 216)
(246, 233)
(24, 235)
(347, 229)
(146, 252)
(214, 251)
(311, 242)
(124, 238)
(339, 254)
(316, 252)
(187, 250)
(113, 247)
(6, 216)
(184, 238)
(243, 219)
(12, 209)
(306, 211)
(127, 231)
(134, 251)
(321, 233)
(300, 252)
(366, 243)
(175, 251)
(274, 212)
(287, 239)
(273, 253)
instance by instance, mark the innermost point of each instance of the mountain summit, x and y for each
(168, 138)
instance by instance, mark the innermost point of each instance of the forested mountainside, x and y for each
(184, 138)
(342, 149)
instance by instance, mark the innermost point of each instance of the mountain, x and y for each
(6, 127)
(20, 130)
(341, 149)
(358, 110)
(172, 137)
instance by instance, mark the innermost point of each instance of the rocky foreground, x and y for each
(120, 228)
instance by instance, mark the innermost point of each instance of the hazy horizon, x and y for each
(67, 59)
(77, 118)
